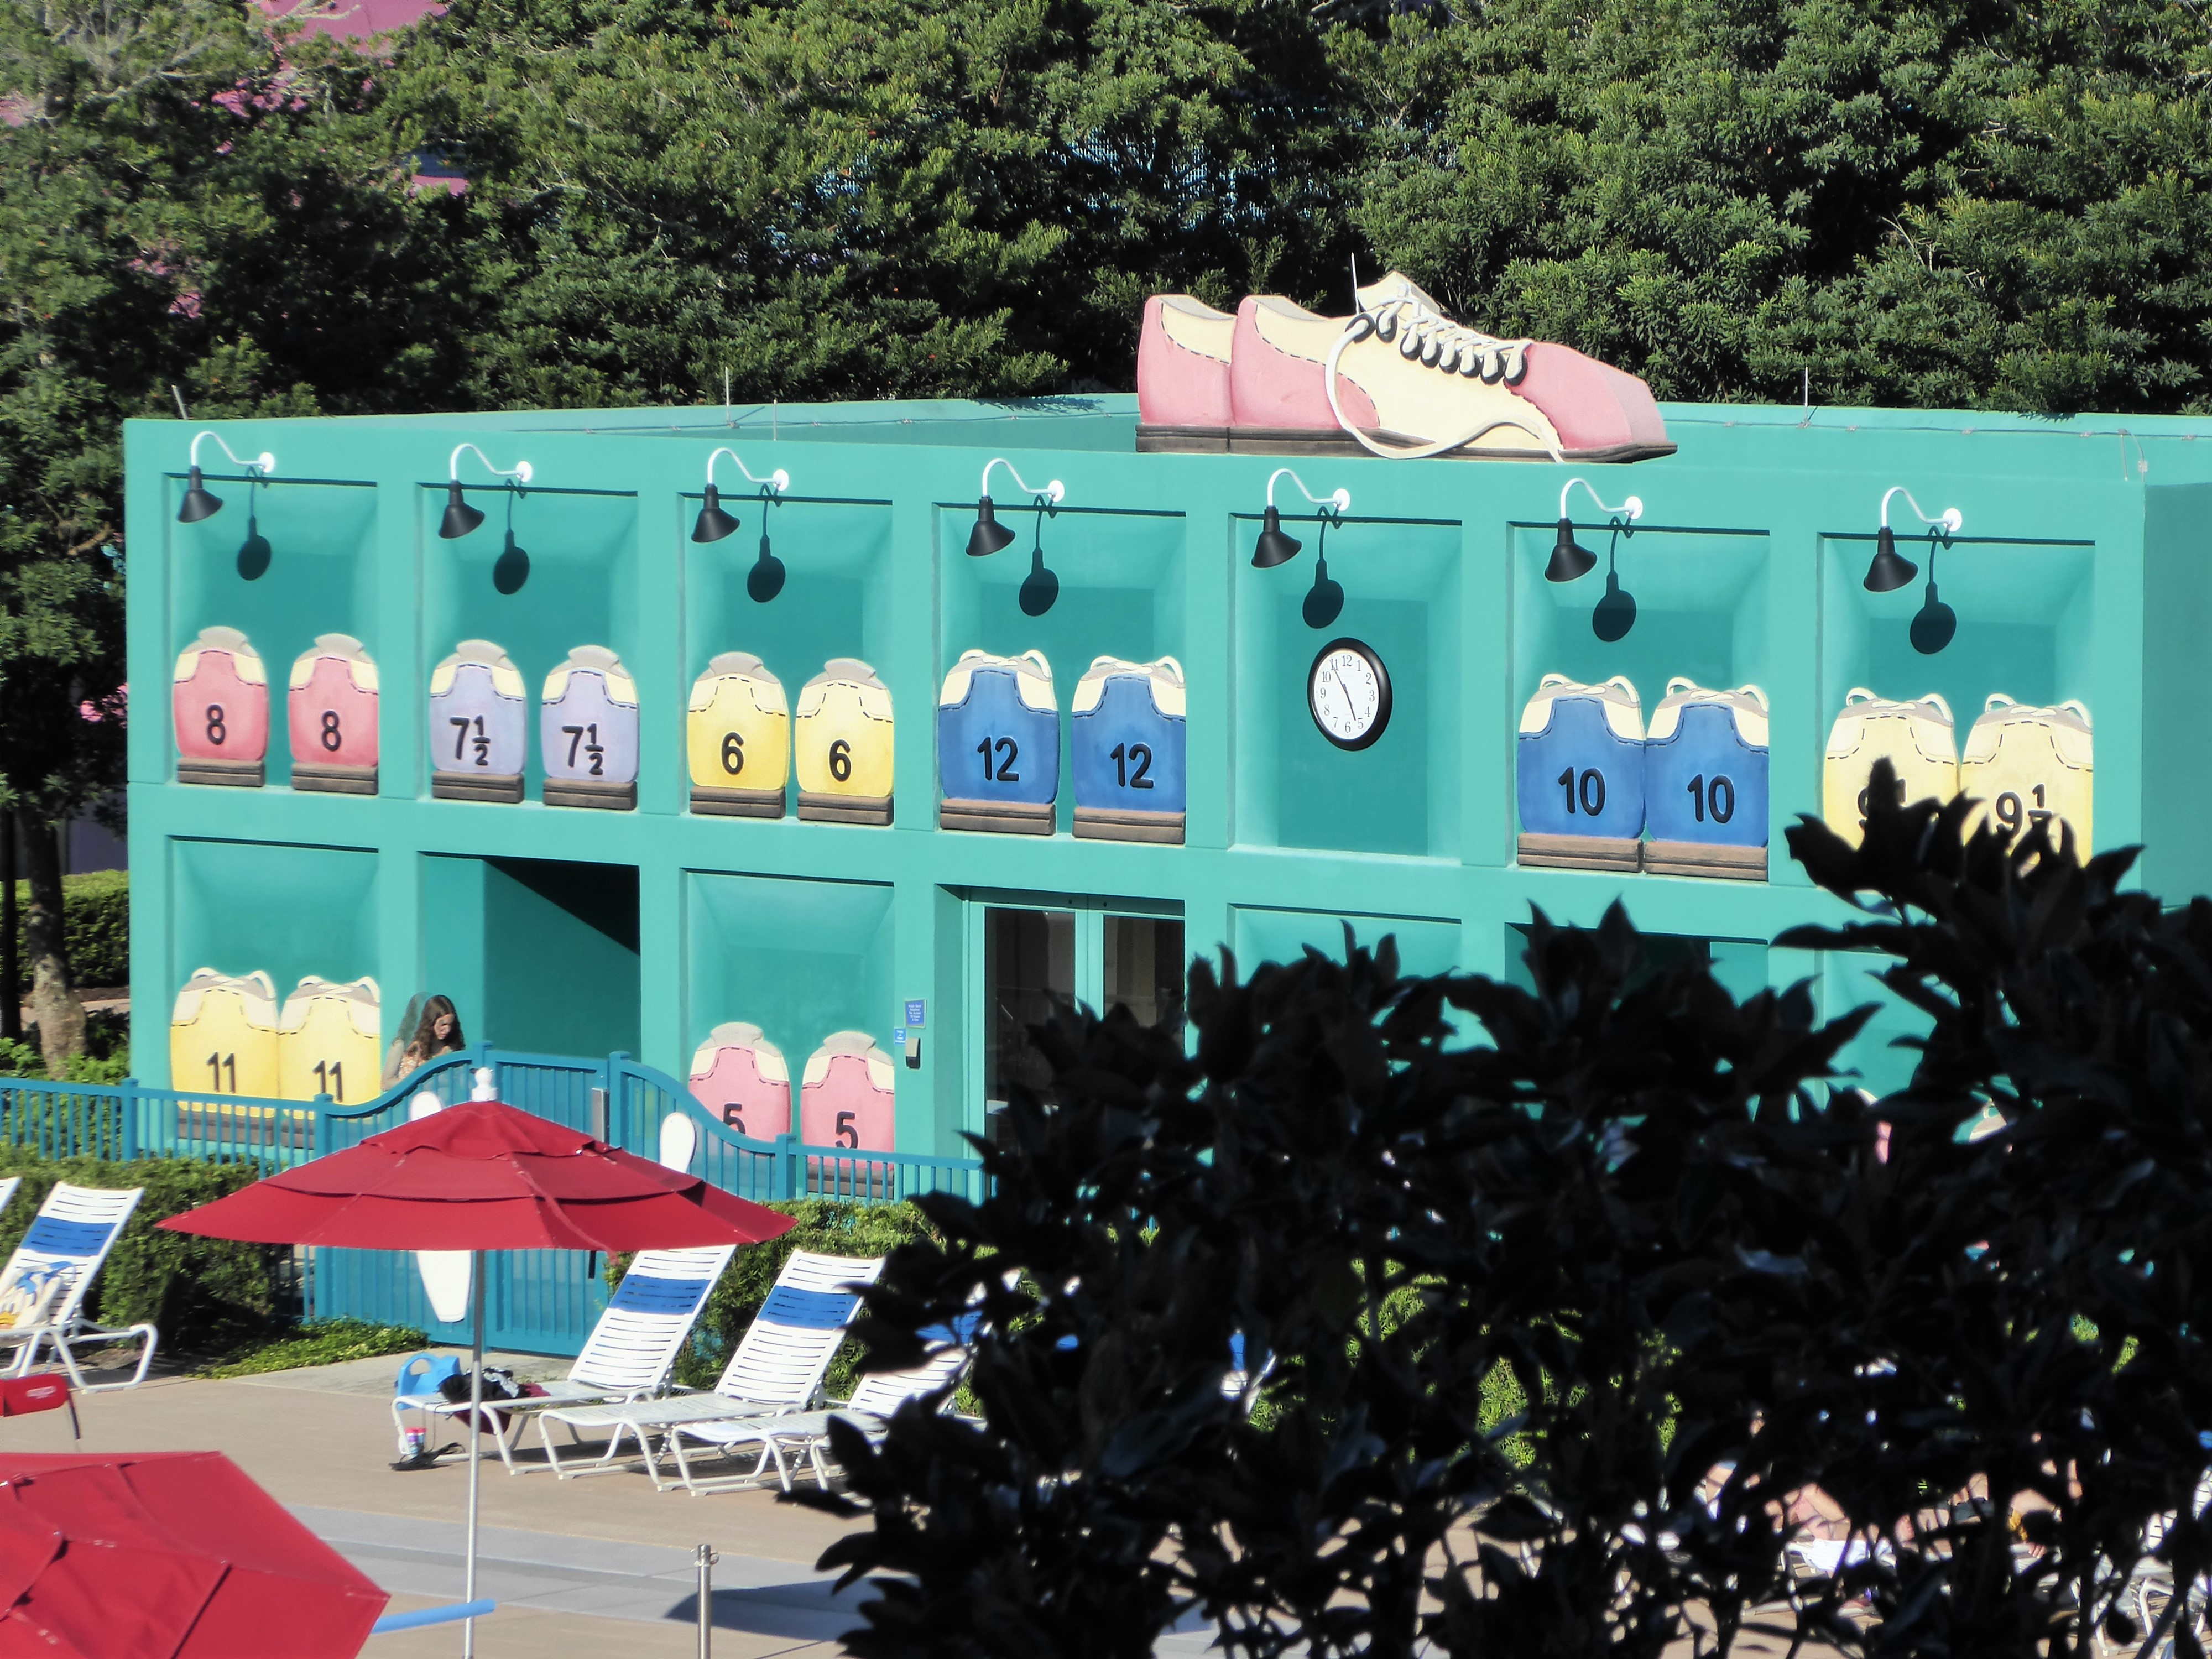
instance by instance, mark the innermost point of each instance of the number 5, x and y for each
(848, 1135)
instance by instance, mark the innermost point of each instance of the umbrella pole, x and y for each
(476, 1449)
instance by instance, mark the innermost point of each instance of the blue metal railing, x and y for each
(538, 1300)
(785, 1167)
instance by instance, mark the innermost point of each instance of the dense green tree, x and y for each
(1962, 204)
(899, 197)
(192, 213)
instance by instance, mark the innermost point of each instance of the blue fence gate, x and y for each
(535, 1301)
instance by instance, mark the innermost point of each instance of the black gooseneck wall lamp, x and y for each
(1273, 547)
(1891, 569)
(200, 502)
(990, 535)
(460, 518)
(1569, 558)
(1934, 623)
(765, 579)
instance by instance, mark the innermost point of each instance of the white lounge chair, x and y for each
(628, 1356)
(777, 1369)
(47, 1278)
(875, 1397)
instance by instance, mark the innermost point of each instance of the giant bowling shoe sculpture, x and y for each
(332, 715)
(737, 739)
(588, 732)
(841, 744)
(328, 1041)
(2029, 766)
(1705, 783)
(479, 724)
(740, 1077)
(220, 699)
(225, 1034)
(1127, 741)
(998, 744)
(1918, 738)
(846, 1101)
(1579, 775)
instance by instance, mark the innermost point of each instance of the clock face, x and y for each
(1348, 692)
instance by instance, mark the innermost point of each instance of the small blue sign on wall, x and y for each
(915, 1008)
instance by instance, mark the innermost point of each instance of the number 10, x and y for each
(1719, 795)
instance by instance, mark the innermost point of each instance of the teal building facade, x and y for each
(644, 920)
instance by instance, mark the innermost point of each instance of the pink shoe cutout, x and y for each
(1182, 369)
(1397, 379)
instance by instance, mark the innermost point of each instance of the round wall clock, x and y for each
(1348, 693)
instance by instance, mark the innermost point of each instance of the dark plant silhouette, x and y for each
(1346, 1334)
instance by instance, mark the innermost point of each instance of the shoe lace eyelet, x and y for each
(1493, 367)
(1410, 347)
(1433, 355)
(1517, 366)
(1362, 326)
(1386, 327)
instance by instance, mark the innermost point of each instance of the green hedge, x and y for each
(202, 1293)
(96, 923)
(828, 1225)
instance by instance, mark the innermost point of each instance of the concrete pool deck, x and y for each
(583, 1569)
(589, 1567)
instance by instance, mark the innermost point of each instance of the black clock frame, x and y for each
(1361, 648)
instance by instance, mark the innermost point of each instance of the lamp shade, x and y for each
(197, 503)
(713, 523)
(990, 535)
(1569, 558)
(1273, 547)
(460, 517)
(1891, 569)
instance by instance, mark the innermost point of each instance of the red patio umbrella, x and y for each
(481, 1175)
(166, 1555)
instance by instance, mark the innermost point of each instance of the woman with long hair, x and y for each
(438, 1031)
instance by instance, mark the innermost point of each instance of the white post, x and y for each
(475, 1454)
(706, 1557)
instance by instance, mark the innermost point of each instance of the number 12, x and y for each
(1009, 751)
(1142, 756)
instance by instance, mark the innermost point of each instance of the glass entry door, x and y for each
(1034, 955)
(1029, 964)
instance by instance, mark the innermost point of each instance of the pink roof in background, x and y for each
(352, 20)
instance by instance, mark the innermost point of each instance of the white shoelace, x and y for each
(1435, 342)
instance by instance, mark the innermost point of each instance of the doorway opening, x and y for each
(538, 954)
